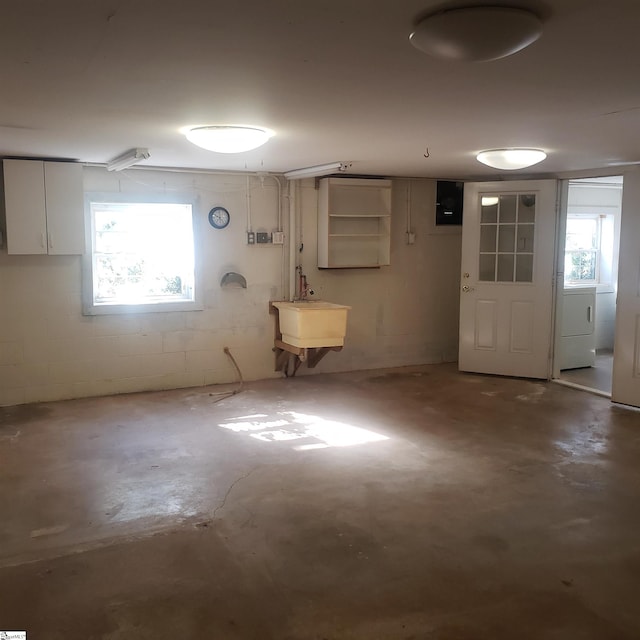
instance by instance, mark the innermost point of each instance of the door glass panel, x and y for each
(508, 208)
(506, 239)
(527, 208)
(505, 267)
(524, 268)
(488, 238)
(489, 212)
(487, 271)
(507, 232)
(525, 238)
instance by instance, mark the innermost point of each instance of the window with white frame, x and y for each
(141, 258)
(588, 249)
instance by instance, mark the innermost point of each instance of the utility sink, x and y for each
(312, 323)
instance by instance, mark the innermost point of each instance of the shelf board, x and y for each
(356, 235)
(355, 266)
(359, 215)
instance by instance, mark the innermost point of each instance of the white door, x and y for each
(506, 298)
(626, 351)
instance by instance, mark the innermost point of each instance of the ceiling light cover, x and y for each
(228, 138)
(511, 159)
(476, 34)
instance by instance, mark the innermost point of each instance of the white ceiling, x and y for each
(337, 80)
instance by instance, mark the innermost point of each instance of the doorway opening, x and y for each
(584, 354)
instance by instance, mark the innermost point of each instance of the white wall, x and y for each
(403, 314)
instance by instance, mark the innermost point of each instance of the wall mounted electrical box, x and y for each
(263, 238)
(449, 198)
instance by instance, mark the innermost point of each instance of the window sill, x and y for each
(160, 307)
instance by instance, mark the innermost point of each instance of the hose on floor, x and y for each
(227, 394)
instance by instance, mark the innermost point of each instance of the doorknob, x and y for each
(467, 288)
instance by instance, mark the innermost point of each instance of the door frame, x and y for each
(558, 277)
(561, 230)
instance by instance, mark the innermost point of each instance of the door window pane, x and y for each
(507, 238)
(507, 208)
(525, 238)
(488, 212)
(524, 268)
(487, 267)
(527, 208)
(507, 232)
(488, 238)
(505, 267)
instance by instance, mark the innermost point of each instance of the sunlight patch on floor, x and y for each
(293, 426)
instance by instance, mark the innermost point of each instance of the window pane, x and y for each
(489, 213)
(505, 268)
(488, 238)
(524, 268)
(582, 233)
(507, 208)
(487, 268)
(525, 238)
(580, 265)
(527, 208)
(143, 253)
(507, 237)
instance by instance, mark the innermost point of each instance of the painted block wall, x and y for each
(407, 312)
(404, 314)
(50, 351)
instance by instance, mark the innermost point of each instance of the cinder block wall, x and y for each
(403, 314)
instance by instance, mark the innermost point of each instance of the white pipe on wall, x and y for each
(292, 238)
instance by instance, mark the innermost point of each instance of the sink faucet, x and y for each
(304, 288)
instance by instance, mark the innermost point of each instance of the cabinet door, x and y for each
(25, 206)
(64, 205)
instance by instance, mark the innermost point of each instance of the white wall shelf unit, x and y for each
(44, 207)
(354, 220)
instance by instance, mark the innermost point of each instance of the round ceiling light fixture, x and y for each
(228, 138)
(476, 34)
(511, 159)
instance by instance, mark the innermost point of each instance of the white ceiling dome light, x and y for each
(476, 34)
(511, 159)
(228, 138)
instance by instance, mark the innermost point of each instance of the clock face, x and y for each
(219, 217)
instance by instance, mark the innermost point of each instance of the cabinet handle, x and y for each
(589, 311)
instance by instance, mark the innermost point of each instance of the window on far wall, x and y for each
(588, 249)
(142, 257)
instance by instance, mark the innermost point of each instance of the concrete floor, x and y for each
(415, 503)
(599, 377)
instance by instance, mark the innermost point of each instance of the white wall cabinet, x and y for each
(44, 207)
(354, 219)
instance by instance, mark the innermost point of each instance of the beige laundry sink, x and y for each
(312, 323)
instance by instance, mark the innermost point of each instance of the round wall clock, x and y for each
(219, 217)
